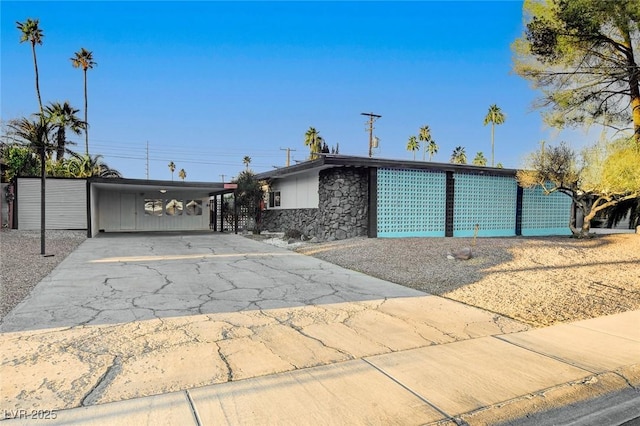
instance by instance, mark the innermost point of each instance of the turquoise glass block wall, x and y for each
(411, 203)
(489, 201)
(545, 214)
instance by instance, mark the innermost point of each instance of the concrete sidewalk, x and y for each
(219, 329)
(487, 380)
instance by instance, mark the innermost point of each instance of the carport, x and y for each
(134, 205)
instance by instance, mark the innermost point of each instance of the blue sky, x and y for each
(206, 83)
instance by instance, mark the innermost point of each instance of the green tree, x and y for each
(314, 141)
(249, 195)
(31, 134)
(62, 117)
(428, 143)
(172, 168)
(480, 159)
(607, 175)
(246, 161)
(413, 145)
(182, 174)
(495, 117)
(459, 156)
(20, 161)
(582, 55)
(85, 166)
(84, 59)
(30, 31)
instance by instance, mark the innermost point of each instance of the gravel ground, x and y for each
(540, 281)
(22, 266)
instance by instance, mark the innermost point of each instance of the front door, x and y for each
(127, 212)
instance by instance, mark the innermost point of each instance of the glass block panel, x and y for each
(488, 201)
(411, 203)
(545, 214)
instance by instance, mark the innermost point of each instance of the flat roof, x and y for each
(196, 189)
(332, 160)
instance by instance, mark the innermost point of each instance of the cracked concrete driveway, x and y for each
(132, 315)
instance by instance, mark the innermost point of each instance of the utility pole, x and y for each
(372, 117)
(288, 154)
(222, 176)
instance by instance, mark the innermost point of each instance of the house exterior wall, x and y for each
(344, 203)
(65, 203)
(404, 202)
(545, 214)
(411, 203)
(486, 201)
(132, 211)
(341, 210)
(297, 192)
(282, 220)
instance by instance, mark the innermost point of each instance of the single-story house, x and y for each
(119, 205)
(338, 197)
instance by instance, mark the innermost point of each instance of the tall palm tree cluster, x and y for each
(46, 133)
(429, 145)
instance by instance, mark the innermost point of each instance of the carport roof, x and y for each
(196, 189)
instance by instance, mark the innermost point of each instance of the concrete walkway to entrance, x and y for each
(213, 328)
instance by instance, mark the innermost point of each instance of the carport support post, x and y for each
(215, 213)
(235, 212)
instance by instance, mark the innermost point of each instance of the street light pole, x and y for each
(372, 117)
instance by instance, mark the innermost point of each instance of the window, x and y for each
(274, 199)
(173, 207)
(152, 207)
(193, 207)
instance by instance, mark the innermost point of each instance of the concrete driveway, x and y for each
(118, 278)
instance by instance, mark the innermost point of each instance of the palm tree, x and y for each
(182, 174)
(413, 145)
(246, 160)
(172, 167)
(84, 59)
(60, 117)
(459, 156)
(480, 159)
(32, 33)
(84, 166)
(495, 117)
(429, 144)
(313, 140)
(31, 133)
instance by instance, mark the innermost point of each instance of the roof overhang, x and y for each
(161, 187)
(330, 161)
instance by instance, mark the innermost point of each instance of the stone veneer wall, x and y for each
(343, 210)
(282, 220)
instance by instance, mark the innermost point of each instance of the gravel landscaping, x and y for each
(22, 266)
(540, 281)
